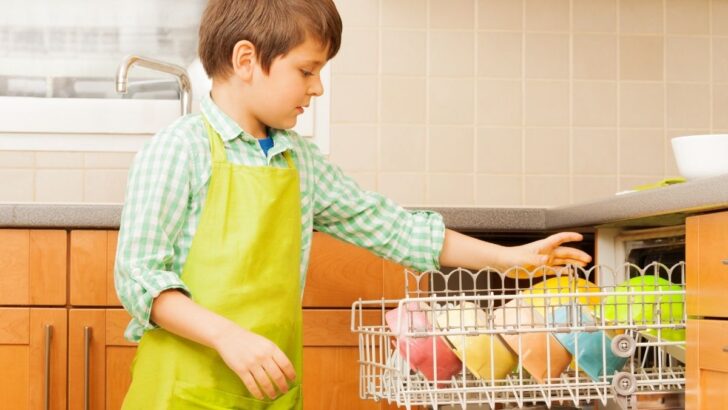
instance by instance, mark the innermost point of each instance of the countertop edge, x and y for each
(658, 207)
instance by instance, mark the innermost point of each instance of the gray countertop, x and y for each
(658, 207)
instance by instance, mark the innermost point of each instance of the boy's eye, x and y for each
(306, 73)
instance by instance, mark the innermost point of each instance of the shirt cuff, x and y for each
(434, 221)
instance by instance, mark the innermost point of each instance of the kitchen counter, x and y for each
(658, 207)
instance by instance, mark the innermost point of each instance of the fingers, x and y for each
(263, 381)
(275, 374)
(277, 369)
(563, 237)
(284, 364)
(579, 257)
(252, 386)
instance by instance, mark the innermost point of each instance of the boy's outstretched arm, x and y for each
(459, 250)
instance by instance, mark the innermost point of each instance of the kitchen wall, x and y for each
(487, 102)
(523, 102)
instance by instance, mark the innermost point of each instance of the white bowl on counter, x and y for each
(701, 156)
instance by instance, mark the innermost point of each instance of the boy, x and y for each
(216, 228)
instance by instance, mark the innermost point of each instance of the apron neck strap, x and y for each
(216, 146)
(289, 160)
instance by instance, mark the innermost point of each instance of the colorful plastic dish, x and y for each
(592, 351)
(418, 351)
(636, 307)
(514, 319)
(560, 285)
(476, 350)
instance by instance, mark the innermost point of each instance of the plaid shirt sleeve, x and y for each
(372, 221)
(154, 211)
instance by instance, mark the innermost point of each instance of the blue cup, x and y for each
(594, 353)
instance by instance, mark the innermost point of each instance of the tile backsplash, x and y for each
(487, 102)
(523, 102)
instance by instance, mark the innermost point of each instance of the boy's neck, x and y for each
(231, 102)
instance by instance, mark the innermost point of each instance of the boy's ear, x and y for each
(244, 59)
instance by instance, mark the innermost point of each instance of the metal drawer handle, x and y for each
(725, 261)
(725, 349)
(86, 365)
(47, 368)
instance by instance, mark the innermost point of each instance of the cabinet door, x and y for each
(32, 267)
(331, 361)
(92, 268)
(395, 282)
(707, 265)
(707, 364)
(33, 358)
(100, 358)
(340, 273)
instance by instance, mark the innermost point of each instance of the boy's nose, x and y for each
(317, 88)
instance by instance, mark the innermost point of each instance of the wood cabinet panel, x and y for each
(331, 379)
(395, 283)
(713, 345)
(92, 268)
(118, 374)
(57, 320)
(332, 327)
(81, 351)
(14, 378)
(14, 266)
(109, 358)
(47, 270)
(707, 364)
(707, 265)
(713, 390)
(340, 273)
(32, 267)
(14, 326)
(23, 358)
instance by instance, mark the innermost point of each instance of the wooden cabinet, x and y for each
(330, 361)
(99, 358)
(707, 265)
(707, 327)
(89, 360)
(91, 275)
(707, 371)
(339, 274)
(33, 358)
(32, 267)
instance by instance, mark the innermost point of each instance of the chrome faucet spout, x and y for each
(122, 76)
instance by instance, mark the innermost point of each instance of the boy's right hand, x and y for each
(255, 359)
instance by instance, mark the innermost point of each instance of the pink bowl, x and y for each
(420, 354)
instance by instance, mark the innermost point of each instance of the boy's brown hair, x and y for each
(273, 26)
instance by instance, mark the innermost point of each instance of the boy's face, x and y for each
(285, 92)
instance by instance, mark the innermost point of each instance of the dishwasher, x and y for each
(555, 337)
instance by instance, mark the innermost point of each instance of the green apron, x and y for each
(244, 265)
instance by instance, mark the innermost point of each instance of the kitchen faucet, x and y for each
(122, 74)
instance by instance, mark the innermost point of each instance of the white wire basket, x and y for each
(552, 337)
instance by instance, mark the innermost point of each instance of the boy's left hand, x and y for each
(547, 251)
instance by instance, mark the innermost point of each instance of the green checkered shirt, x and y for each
(168, 184)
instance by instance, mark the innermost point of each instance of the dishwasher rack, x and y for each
(554, 337)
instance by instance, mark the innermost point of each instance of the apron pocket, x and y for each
(187, 396)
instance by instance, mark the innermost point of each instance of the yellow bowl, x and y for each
(477, 350)
(560, 285)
